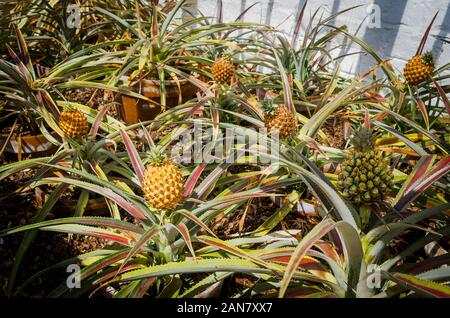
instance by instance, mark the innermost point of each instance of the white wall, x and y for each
(402, 24)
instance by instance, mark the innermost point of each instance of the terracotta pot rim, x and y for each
(156, 82)
(25, 137)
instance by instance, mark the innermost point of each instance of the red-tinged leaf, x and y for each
(430, 263)
(423, 165)
(152, 231)
(134, 156)
(286, 80)
(102, 263)
(130, 207)
(422, 109)
(215, 121)
(23, 49)
(307, 262)
(443, 95)
(155, 29)
(50, 102)
(197, 109)
(298, 24)
(89, 231)
(422, 286)
(196, 220)
(143, 286)
(115, 272)
(252, 109)
(211, 179)
(107, 222)
(270, 255)
(401, 99)
(381, 116)
(366, 119)
(329, 250)
(98, 121)
(440, 169)
(224, 246)
(220, 12)
(22, 68)
(192, 180)
(182, 228)
(91, 221)
(425, 36)
(241, 15)
(304, 245)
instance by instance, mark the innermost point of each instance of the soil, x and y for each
(47, 249)
(334, 128)
(94, 98)
(227, 226)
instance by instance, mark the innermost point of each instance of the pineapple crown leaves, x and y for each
(69, 108)
(157, 152)
(157, 155)
(227, 54)
(428, 58)
(364, 138)
(268, 107)
(227, 101)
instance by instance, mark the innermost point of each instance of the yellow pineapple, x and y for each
(223, 70)
(419, 68)
(163, 184)
(73, 123)
(280, 118)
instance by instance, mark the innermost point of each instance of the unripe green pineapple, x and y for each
(365, 176)
(163, 184)
(73, 123)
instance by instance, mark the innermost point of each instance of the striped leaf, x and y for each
(304, 245)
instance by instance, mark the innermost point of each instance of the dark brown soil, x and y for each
(47, 249)
(258, 212)
(95, 98)
(334, 128)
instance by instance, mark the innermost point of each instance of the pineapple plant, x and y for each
(279, 118)
(365, 176)
(163, 183)
(419, 68)
(73, 123)
(223, 70)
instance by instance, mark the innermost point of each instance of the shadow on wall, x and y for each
(438, 46)
(382, 39)
(402, 25)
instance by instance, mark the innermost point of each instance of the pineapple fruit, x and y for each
(223, 70)
(419, 68)
(73, 123)
(163, 184)
(365, 176)
(280, 118)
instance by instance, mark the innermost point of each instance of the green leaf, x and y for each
(304, 245)
(421, 286)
